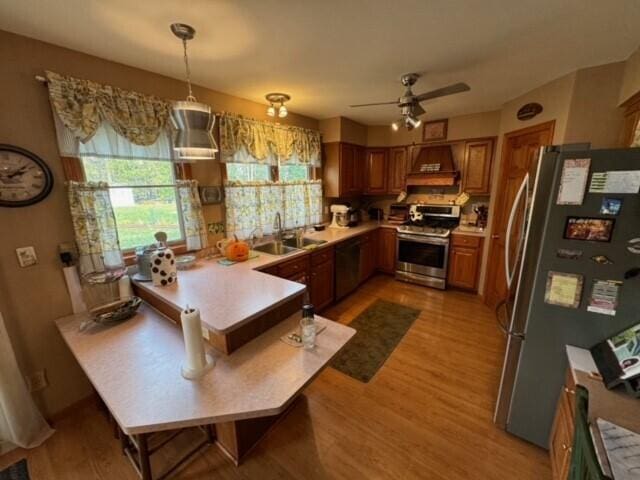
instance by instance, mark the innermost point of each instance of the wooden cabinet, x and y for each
(375, 172)
(631, 123)
(387, 250)
(368, 252)
(321, 283)
(476, 168)
(465, 257)
(343, 169)
(561, 441)
(397, 169)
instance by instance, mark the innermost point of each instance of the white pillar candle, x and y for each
(124, 287)
(196, 362)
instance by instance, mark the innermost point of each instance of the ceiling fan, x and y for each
(409, 103)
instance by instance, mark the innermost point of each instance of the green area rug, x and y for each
(17, 471)
(379, 330)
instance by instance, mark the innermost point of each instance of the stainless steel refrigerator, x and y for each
(537, 331)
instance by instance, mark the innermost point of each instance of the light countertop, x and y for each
(231, 296)
(458, 231)
(135, 367)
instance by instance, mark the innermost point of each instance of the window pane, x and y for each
(290, 173)
(141, 212)
(248, 172)
(117, 172)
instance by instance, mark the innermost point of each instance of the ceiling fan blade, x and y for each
(441, 92)
(373, 104)
(418, 110)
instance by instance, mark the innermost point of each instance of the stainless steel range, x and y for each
(422, 249)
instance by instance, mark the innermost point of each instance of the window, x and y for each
(251, 172)
(143, 195)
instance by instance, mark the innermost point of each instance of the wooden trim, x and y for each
(550, 125)
(179, 247)
(73, 169)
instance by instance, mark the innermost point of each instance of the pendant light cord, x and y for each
(190, 97)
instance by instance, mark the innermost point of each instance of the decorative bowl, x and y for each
(184, 262)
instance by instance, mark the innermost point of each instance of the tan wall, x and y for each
(31, 298)
(594, 115)
(353, 132)
(342, 129)
(631, 80)
(485, 124)
(330, 129)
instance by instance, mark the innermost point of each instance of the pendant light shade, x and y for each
(192, 121)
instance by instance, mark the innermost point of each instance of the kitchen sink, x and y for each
(304, 243)
(275, 248)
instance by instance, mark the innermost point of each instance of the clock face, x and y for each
(24, 178)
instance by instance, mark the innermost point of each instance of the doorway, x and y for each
(520, 150)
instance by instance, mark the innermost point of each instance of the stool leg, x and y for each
(143, 456)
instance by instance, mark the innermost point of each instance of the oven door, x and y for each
(422, 255)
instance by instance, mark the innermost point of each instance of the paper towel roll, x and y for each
(75, 290)
(196, 361)
(124, 287)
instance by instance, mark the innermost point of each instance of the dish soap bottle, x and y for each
(308, 327)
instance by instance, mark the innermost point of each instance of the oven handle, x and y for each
(424, 239)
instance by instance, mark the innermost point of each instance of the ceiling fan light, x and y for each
(282, 111)
(412, 121)
(395, 126)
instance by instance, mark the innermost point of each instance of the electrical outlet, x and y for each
(37, 381)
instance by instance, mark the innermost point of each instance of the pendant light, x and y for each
(277, 98)
(193, 121)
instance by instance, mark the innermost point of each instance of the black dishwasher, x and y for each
(347, 267)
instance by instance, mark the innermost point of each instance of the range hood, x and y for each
(432, 165)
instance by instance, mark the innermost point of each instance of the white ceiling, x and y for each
(331, 53)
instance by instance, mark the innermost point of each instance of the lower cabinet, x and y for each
(368, 252)
(465, 259)
(387, 250)
(321, 282)
(561, 441)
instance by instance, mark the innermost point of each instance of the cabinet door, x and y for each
(463, 267)
(387, 250)
(376, 172)
(359, 167)
(397, 169)
(321, 284)
(368, 253)
(476, 172)
(561, 441)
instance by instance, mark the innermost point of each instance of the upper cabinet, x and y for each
(375, 172)
(397, 167)
(343, 165)
(476, 168)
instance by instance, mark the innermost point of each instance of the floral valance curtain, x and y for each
(94, 225)
(254, 205)
(251, 141)
(82, 106)
(195, 229)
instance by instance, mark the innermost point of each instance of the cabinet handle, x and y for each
(569, 391)
(495, 237)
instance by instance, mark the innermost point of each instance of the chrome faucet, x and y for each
(277, 228)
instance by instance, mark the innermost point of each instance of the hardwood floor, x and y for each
(425, 415)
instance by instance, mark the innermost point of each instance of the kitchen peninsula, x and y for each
(252, 384)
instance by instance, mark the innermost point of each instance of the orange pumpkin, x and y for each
(237, 250)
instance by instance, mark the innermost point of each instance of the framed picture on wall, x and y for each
(435, 130)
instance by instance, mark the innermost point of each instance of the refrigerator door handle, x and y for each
(524, 189)
(506, 329)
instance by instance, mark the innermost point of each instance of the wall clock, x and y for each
(24, 177)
